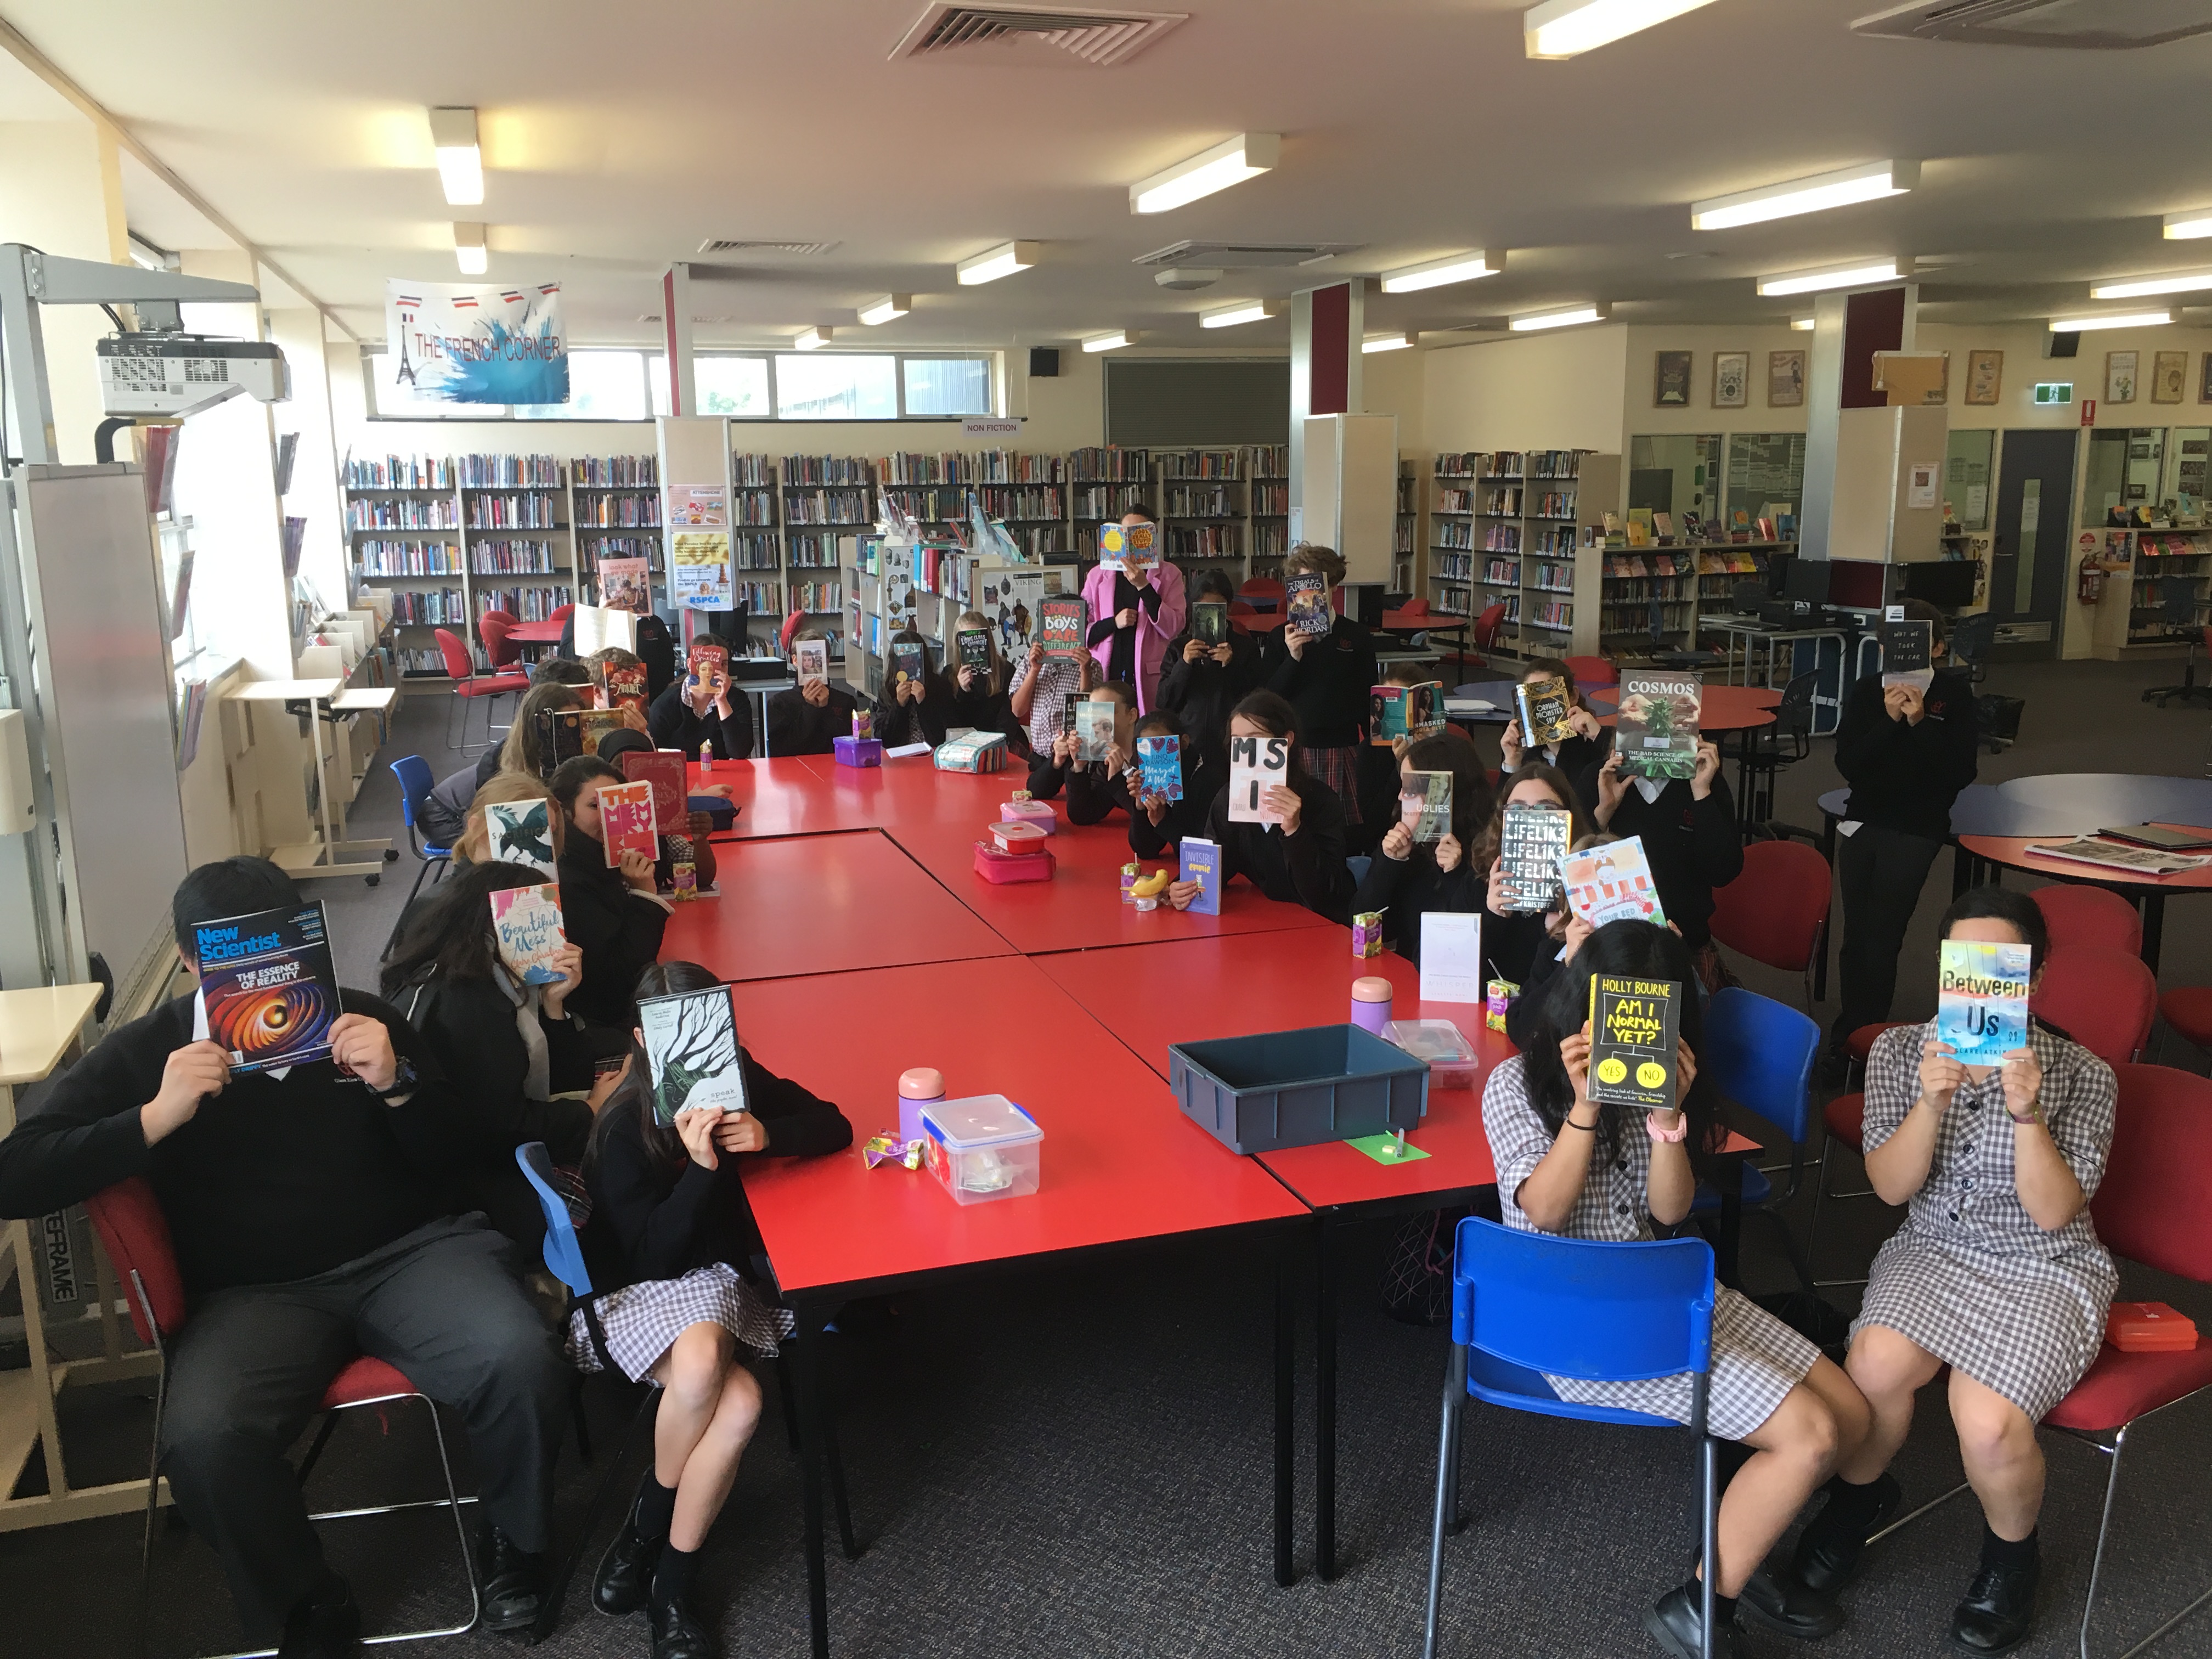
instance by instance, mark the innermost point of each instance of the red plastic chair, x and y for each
(1414, 608)
(1485, 635)
(789, 632)
(136, 1236)
(2089, 915)
(1592, 672)
(501, 651)
(2188, 1009)
(1265, 592)
(1239, 610)
(2104, 999)
(468, 683)
(1776, 911)
(562, 613)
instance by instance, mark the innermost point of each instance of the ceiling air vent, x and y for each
(2086, 25)
(1097, 38)
(720, 245)
(1244, 255)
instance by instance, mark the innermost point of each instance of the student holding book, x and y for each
(656, 648)
(1094, 787)
(1579, 755)
(669, 1244)
(1134, 615)
(1043, 686)
(710, 711)
(1906, 750)
(1377, 765)
(1407, 879)
(810, 719)
(307, 1210)
(1327, 680)
(1690, 838)
(980, 696)
(613, 745)
(1156, 825)
(617, 916)
(1511, 938)
(441, 823)
(1571, 1167)
(917, 706)
(1997, 1273)
(1200, 682)
(1299, 861)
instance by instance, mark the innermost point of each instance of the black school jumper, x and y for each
(1202, 780)
(1307, 868)
(1405, 889)
(674, 724)
(796, 726)
(309, 1225)
(898, 723)
(617, 927)
(1693, 846)
(1201, 694)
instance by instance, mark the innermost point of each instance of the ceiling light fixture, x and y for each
(1560, 317)
(1231, 162)
(1803, 322)
(814, 338)
(2135, 287)
(460, 162)
(1244, 311)
(885, 309)
(1435, 273)
(1003, 260)
(2119, 319)
(2187, 226)
(1823, 191)
(1561, 29)
(1858, 274)
(1389, 342)
(468, 250)
(1113, 341)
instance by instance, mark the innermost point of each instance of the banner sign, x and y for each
(457, 343)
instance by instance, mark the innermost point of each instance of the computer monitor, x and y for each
(1806, 579)
(1947, 584)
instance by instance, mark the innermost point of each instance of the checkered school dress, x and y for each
(1058, 679)
(1970, 1277)
(1339, 769)
(641, 1321)
(1757, 1359)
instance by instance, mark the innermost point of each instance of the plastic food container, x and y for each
(982, 1147)
(1038, 812)
(857, 752)
(999, 868)
(1255, 1094)
(1017, 836)
(1451, 1059)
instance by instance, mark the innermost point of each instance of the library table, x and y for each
(1120, 1167)
(784, 797)
(2149, 892)
(535, 633)
(823, 904)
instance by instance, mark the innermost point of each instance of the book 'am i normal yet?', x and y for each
(1632, 1059)
(526, 924)
(269, 993)
(1981, 1000)
(691, 1046)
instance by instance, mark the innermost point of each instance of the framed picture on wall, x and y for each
(2169, 376)
(1731, 378)
(1670, 383)
(1785, 380)
(2120, 377)
(2205, 383)
(1984, 376)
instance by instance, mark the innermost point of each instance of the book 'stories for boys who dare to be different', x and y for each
(1656, 733)
(1981, 1000)
(526, 923)
(691, 1046)
(1632, 1058)
(1062, 622)
(269, 993)
(626, 821)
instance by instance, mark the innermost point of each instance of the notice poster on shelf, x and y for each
(699, 569)
(698, 506)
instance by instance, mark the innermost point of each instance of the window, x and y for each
(947, 386)
(736, 386)
(824, 385)
(602, 386)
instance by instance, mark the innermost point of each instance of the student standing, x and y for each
(1690, 839)
(809, 720)
(615, 916)
(1997, 1273)
(1327, 680)
(1199, 683)
(1578, 755)
(1906, 750)
(668, 1243)
(1299, 861)
(690, 712)
(1133, 614)
(1407, 879)
(1572, 1168)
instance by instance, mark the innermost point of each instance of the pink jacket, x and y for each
(1153, 633)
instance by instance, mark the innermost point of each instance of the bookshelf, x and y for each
(2167, 564)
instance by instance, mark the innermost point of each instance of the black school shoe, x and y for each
(514, 1583)
(625, 1575)
(1999, 1608)
(1784, 1605)
(1828, 1551)
(1676, 1623)
(326, 1625)
(677, 1635)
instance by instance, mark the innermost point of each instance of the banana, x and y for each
(1151, 886)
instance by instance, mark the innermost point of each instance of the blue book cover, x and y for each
(1201, 863)
(1159, 767)
(269, 995)
(1981, 1000)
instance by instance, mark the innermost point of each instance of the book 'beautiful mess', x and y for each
(691, 1047)
(526, 923)
(1657, 731)
(1201, 863)
(1061, 625)
(1613, 883)
(1981, 1000)
(269, 993)
(520, 832)
(1306, 604)
(1532, 847)
(626, 821)
(1632, 1059)
(1159, 767)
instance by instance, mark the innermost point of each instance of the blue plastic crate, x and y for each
(1257, 1094)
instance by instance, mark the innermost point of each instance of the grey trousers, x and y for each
(253, 1361)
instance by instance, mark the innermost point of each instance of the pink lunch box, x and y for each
(999, 868)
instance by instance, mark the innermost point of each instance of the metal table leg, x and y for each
(809, 1381)
(1286, 1316)
(1325, 1399)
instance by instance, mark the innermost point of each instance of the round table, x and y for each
(2148, 893)
(537, 633)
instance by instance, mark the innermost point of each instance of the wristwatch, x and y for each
(403, 1081)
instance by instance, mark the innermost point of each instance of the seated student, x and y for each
(1201, 683)
(1299, 861)
(1043, 686)
(1375, 765)
(1094, 787)
(1569, 1167)
(1329, 680)
(1690, 839)
(473, 846)
(809, 720)
(305, 1210)
(980, 697)
(441, 823)
(613, 745)
(656, 648)
(615, 917)
(1408, 879)
(709, 711)
(1157, 824)
(670, 1241)
(1578, 756)
(1510, 939)
(514, 1050)
(914, 710)
(1997, 1273)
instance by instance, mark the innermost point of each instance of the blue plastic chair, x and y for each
(1358, 864)
(414, 786)
(1760, 1054)
(1526, 1304)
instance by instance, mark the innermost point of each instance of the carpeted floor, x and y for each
(1076, 1461)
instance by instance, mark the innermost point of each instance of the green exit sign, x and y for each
(2054, 392)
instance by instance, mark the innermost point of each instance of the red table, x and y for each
(823, 904)
(537, 633)
(2150, 891)
(1121, 1164)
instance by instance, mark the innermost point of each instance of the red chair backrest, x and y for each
(560, 613)
(2089, 915)
(789, 631)
(1262, 588)
(456, 654)
(1772, 912)
(2104, 999)
(499, 650)
(1486, 626)
(496, 615)
(1414, 608)
(136, 1236)
(1593, 670)
(2151, 1206)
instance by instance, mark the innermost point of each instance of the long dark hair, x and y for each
(663, 1145)
(1273, 714)
(450, 933)
(1635, 949)
(1470, 784)
(1554, 781)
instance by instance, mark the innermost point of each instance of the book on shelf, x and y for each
(692, 1053)
(525, 925)
(2112, 856)
(1656, 729)
(1532, 852)
(1633, 1057)
(1981, 1000)
(269, 992)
